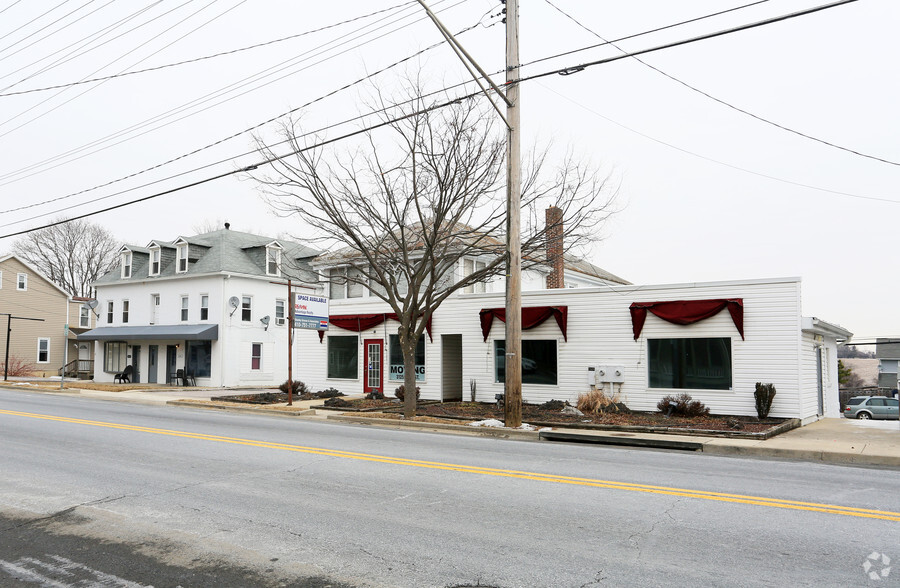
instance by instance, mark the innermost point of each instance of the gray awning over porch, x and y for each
(153, 333)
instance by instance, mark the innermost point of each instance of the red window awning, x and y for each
(531, 317)
(363, 322)
(686, 312)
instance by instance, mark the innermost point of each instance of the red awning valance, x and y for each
(686, 312)
(531, 317)
(363, 322)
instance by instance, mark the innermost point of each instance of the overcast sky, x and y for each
(708, 192)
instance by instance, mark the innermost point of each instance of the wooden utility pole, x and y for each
(513, 386)
(289, 321)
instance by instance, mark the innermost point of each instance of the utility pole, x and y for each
(9, 319)
(289, 321)
(513, 381)
(512, 405)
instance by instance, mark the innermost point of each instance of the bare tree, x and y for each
(405, 211)
(72, 254)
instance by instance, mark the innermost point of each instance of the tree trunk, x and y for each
(408, 344)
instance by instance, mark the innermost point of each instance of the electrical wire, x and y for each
(84, 42)
(10, 6)
(253, 166)
(719, 162)
(207, 98)
(20, 49)
(202, 58)
(19, 28)
(234, 135)
(457, 99)
(183, 4)
(723, 102)
(641, 34)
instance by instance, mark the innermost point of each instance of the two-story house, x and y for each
(25, 292)
(888, 353)
(215, 305)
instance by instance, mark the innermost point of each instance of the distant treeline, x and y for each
(851, 352)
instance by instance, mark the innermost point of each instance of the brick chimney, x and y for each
(554, 230)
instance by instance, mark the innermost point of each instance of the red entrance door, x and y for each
(372, 379)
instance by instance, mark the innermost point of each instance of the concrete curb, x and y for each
(834, 457)
(246, 410)
(496, 432)
(622, 441)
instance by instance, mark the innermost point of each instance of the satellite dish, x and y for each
(234, 302)
(92, 304)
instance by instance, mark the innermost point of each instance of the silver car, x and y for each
(872, 407)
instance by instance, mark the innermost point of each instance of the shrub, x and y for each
(329, 393)
(682, 405)
(553, 405)
(299, 388)
(401, 392)
(765, 394)
(374, 396)
(598, 401)
(18, 367)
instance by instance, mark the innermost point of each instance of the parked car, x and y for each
(872, 407)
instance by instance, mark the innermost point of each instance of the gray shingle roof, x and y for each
(221, 251)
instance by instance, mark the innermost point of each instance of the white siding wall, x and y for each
(600, 332)
(231, 353)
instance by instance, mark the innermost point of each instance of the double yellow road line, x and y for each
(538, 477)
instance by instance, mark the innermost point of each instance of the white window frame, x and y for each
(204, 307)
(127, 259)
(1, 280)
(39, 341)
(185, 307)
(84, 317)
(22, 282)
(126, 306)
(271, 251)
(279, 320)
(110, 312)
(155, 252)
(181, 258)
(248, 300)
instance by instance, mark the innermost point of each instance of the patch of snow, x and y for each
(487, 423)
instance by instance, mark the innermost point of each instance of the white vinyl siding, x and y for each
(600, 333)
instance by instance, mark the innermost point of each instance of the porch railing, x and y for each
(77, 367)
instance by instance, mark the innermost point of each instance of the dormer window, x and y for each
(273, 260)
(126, 264)
(182, 256)
(154, 261)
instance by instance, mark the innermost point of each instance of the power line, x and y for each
(723, 102)
(474, 94)
(183, 4)
(641, 34)
(252, 166)
(220, 141)
(19, 50)
(196, 102)
(83, 42)
(10, 6)
(202, 58)
(729, 165)
(19, 28)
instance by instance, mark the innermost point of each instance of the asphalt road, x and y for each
(97, 493)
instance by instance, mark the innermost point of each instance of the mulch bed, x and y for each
(534, 414)
(264, 398)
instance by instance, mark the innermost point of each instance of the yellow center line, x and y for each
(523, 475)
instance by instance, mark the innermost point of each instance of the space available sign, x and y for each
(310, 312)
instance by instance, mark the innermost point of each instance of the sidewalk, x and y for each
(841, 441)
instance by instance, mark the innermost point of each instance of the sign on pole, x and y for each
(310, 312)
